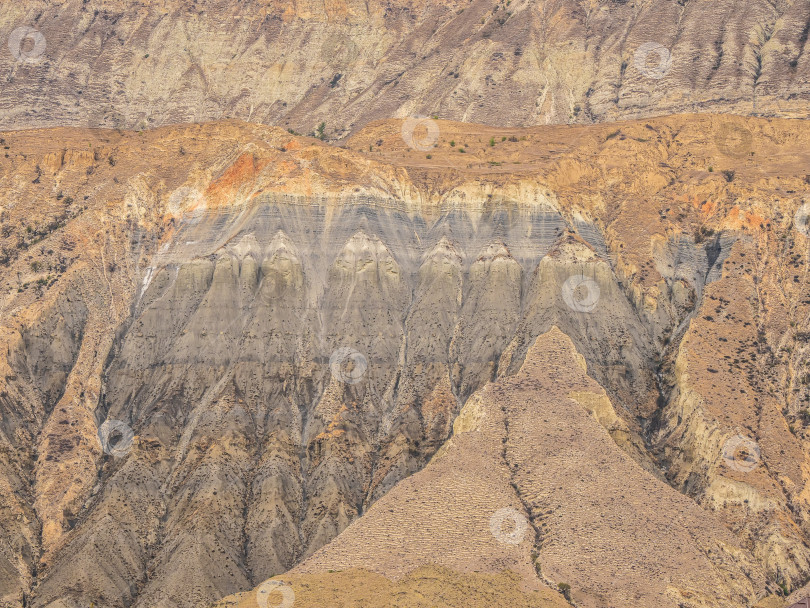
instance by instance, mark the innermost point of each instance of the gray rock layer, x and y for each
(284, 367)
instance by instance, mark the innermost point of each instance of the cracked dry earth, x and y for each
(193, 283)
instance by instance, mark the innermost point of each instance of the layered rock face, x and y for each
(586, 530)
(283, 381)
(274, 338)
(138, 64)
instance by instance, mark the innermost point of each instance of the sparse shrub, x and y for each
(729, 175)
(702, 233)
(565, 589)
(612, 135)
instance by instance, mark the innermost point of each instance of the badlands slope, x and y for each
(194, 283)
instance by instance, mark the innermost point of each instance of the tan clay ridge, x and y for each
(614, 533)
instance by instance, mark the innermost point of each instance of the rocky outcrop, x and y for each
(532, 483)
(726, 357)
(223, 347)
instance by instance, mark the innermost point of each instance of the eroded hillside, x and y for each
(145, 63)
(289, 331)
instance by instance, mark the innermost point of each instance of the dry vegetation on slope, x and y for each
(193, 281)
